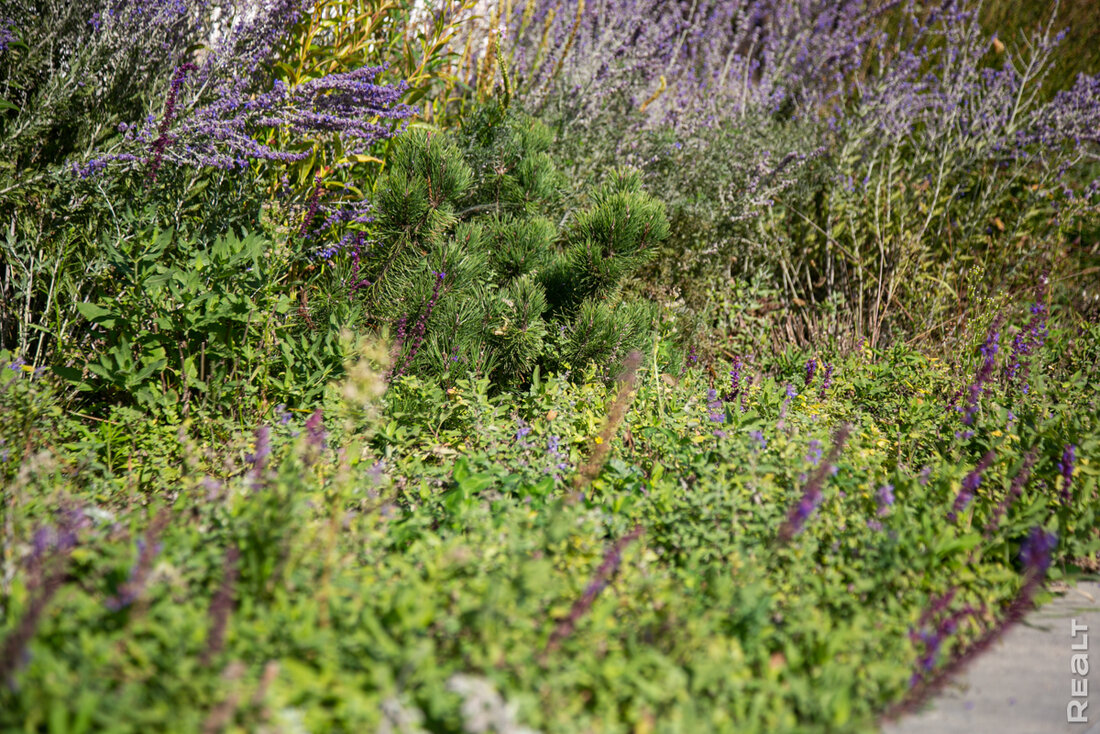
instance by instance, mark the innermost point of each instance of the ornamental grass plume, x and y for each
(596, 460)
(812, 491)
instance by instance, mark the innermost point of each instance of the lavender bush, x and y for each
(132, 115)
(776, 126)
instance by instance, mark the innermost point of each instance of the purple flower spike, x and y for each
(885, 498)
(163, 138)
(985, 371)
(827, 380)
(811, 493)
(1029, 339)
(1035, 553)
(263, 449)
(1065, 468)
(717, 413)
(970, 486)
(735, 380)
(315, 430)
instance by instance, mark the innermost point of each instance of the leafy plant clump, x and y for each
(723, 366)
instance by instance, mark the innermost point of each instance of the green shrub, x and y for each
(473, 280)
(208, 322)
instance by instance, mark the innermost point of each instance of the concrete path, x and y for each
(1023, 685)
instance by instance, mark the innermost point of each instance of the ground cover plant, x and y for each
(586, 366)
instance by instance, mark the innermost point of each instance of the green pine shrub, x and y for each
(473, 279)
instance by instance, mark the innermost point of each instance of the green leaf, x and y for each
(96, 314)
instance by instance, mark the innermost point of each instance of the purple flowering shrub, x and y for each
(218, 112)
(852, 150)
(209, 118)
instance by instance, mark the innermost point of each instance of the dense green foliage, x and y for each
(550, 410)
(479, 282)
(441, 539)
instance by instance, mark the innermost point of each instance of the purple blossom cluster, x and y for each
(60, 537)
(884, 498)
(258, 457)
(709, 58)
(930, 633)
(523, 430)
(812, 491)
(936, 625)
(554, 451)
(737, 382)
(717, 412)
(220, 102)
(316, 435)
(826, 380)
(929, 83)
(349, 216)
(977, 387)
(1036, 552)
(163, 139)
(1065, 468)
(759, 442)
(347, 108)
(1028, 341)
(970, 486)
(814, 452)
(7, 34)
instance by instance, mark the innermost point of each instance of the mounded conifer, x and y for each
(472, 277)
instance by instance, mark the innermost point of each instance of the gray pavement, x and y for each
(1023, 685)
